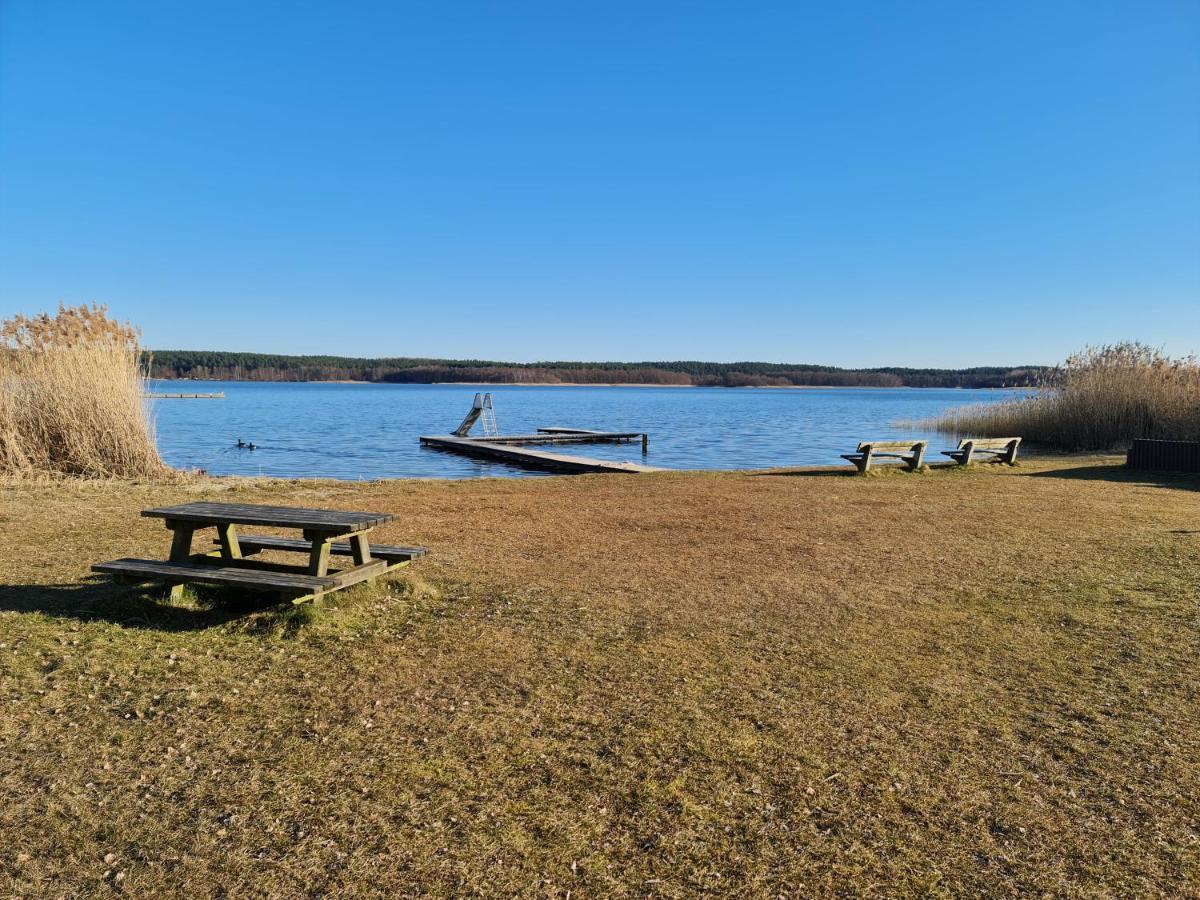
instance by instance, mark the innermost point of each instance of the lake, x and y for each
(369, 431)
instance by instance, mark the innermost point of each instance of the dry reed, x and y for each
(1101, 398)
(72, 388)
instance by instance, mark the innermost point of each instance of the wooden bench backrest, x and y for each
(987, 443)
(891, 446)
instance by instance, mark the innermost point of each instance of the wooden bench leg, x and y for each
(360, 549)
(968, 450)
(230, 548)
(318, 557)
(917, 459)
(181, 549)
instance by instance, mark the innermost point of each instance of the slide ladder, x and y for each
(481, 408)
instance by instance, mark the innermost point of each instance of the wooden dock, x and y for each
(510, 449)
(516, 449)
(217, 396)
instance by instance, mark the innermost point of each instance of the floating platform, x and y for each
(564, 437)
(508, 448)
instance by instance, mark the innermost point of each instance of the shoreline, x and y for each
(1034, 457)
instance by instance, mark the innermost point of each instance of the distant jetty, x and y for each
(217, 396)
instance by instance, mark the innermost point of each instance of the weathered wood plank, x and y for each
(203, 573)
(992, 443)
(181, 549)
(360, 549)
(254, 543)
(366, 571)
(558, 430)
(891, 446)
(228, 539)
(1004, 449)
(181, 541)
(318, 555)
(912, 452)
(219, 395)
(349, 577)
(328, 520)
(578, 437)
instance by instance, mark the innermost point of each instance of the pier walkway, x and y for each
(515, 449)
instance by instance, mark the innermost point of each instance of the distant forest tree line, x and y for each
(226, 366)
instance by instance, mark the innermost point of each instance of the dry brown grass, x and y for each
(952, 683)
(1100, 399)
(71, 397)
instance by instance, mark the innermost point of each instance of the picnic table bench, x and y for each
(1003, 449)
(912, 452)
(229, 564)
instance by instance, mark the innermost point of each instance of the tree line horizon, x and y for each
(236, 366)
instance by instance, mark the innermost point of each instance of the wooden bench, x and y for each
(228, 564)
(912, 452)
(256, 543)
(1003, 449)
(137, 571)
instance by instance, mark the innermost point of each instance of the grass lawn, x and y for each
(958, 682)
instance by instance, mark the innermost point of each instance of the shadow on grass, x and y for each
(879, 468)
(807, 471)
(134, 607)
(1182, 481)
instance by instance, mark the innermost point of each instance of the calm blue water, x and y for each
(367, 431)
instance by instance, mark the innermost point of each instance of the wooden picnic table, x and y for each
(326, 533)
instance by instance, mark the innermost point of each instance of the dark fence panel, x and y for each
(1165, 456)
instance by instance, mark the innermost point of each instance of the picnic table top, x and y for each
(333, 520)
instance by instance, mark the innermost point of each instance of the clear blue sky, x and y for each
(921, 183)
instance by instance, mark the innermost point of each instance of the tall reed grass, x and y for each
(1101, 398)
(72, 397)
